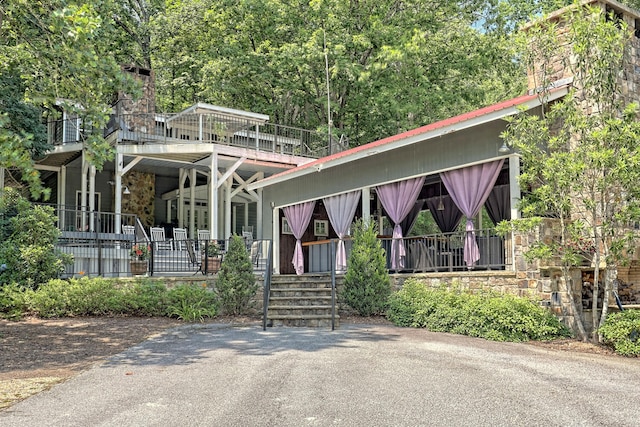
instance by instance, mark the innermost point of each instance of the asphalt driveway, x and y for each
(358, 375)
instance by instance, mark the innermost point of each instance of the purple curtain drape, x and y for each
(341, 209)
(469, 188)
(447, 219)
(409, 221)
(498, 204)
(397, 199)
(298, 217)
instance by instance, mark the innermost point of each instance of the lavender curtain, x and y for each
(398, 199)
(298, 217)
(447, 219)
(410, 220)
(469, 188)
(498, 203)
(341, 209)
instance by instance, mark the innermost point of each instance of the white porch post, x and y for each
(118, 190)
(259, 206)
(275, 214)
(366, 210)
(181, 179)
(213, 196)
(62, 196)
(83, 193)
(192, 199)
(257, 139)
(92, 198)
(514, 185)
(227, 208)
(245, 220)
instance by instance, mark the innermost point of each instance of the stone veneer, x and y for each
(141, 201)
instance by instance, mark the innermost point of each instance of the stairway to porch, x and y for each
(301, 301)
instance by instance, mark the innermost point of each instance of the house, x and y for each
(228, 171)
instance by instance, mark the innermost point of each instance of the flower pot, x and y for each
(138, 268)
(211, 264)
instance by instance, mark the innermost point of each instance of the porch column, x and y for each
(83, 193)
(1, 180)
(366, 210)
(192, 199)
(227, 208)
(275, 215)
(62, 196)
(514, 186)
(92, 198)
(181, 178)
(118, 192)
(245, 220)
(259, 206)
(257, 139)
(213, 195)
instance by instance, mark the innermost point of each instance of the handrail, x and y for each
(267, 286)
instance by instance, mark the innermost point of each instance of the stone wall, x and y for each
(141, 200)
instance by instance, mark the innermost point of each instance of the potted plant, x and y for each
(211, 257)
(140, 254)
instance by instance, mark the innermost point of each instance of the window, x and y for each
(285, 226)
(321, 227)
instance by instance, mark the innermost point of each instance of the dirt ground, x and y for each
(38, 353)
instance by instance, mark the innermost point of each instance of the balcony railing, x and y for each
(202, 128)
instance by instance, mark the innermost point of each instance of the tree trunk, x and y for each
(579, 324)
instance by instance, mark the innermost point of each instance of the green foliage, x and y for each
(236, 284)
(28, 236)
(366, 282)
(487, 315)
(622, 332)
(12, 301)
(191, 303)
(100, 296)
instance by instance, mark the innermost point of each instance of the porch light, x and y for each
(504, 149)
(126, 191)
(440, 206)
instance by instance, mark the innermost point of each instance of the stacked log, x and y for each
(628, 293)
(587, 291)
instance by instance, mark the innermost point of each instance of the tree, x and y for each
(392, 65)
(236, 284)
(55, 49)
(581, 158)
(27, 237)
(366, 283)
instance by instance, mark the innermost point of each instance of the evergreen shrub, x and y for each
(366, 283)
(497, 317)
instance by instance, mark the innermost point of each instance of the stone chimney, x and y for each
(138, 115)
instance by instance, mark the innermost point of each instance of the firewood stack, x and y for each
(587, 291)
(628, 293)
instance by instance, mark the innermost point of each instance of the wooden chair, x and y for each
(159, 240)
(180, 239)
(129, 229)
(203, 236)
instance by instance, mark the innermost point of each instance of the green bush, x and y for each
(27, 237)
(12, 301)
(236, 284)
(488, 315)
(621, 331)
(146, 297)
(366, 283)
(191, 303)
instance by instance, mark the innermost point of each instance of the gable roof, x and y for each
(433, 130)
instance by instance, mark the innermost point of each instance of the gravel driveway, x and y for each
(358, 375)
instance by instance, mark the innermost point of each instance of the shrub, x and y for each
(27, 237)
(191, 303)
(621, 331)
(236, 284)
(146, 297)
(366, 283)
(12, 301)
(488, 315)
(78, 297)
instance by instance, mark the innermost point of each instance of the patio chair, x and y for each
(129, 229)
(259, 252)
(203, 236)
(159, 240)
(180, 239)
(193, 258)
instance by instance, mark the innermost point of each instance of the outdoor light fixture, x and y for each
(504, 149)
(440, 203)
(126, 191)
